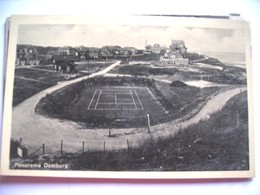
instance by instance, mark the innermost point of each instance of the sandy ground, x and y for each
(36, 129)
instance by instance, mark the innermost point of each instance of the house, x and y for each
(82, 52)
(154, 49)
(174, 54)
(83, 55)
(64, 63)
(93, 53)
(68, 51)
(27, 55)
(45, 59)
(53, 51)
(139, 52)
(130, 51)
(104, 53)
(65, 66)
(118, 51)
(115, 50)
(171, 57)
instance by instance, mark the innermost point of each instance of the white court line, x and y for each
(115, 100)
(139, 100)
(113, 93)
(101, 92)
(92, 99)
(116, 103)
(98, 99)
(133, 99)
(112, 109)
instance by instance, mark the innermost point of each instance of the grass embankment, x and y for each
(220, 143)
(57, 103)
(182, 100)
(217, 144)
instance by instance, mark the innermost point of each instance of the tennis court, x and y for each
(116, 99)
(103, 104)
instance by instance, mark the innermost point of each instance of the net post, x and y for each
(43, 148)
(61, 147)
(128, 145)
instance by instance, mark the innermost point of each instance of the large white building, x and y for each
(173, 55)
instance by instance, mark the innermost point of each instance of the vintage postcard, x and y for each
(128, 97)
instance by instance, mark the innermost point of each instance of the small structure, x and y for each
(17, 150)
(65, 67)
(64, 63)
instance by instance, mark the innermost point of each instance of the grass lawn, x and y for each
(44, 67)
(92, 66)
(24, 89)
(30, 81)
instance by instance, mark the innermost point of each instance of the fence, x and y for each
(62, 147)
(111, 143)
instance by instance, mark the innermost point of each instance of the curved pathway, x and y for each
(37, 129)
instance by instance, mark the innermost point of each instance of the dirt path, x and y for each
(36, 129)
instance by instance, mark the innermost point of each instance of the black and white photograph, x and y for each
(132, 98)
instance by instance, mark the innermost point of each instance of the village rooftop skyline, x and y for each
(196, 39)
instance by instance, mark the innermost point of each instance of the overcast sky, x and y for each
(196, 39)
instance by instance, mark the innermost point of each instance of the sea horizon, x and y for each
(231, 58)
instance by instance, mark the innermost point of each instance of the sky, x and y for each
(196, 39)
